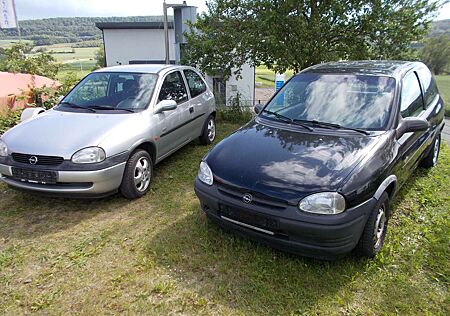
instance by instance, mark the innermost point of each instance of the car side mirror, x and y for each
(258, 108)
(411, 124)
(165, 105)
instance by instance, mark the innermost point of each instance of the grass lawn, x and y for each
(443, 83)
(159, 255)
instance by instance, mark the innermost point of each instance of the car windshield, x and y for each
(346, 100)
(112, 91)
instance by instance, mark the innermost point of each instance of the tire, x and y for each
(374, 233)
(431, 159)
(137, 175)
(209, 131)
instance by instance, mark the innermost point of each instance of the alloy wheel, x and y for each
(142, 174)
(211, 130)
(380, 226)
(436, 151)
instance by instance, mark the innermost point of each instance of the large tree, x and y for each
(294, 34)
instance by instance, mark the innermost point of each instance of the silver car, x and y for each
(108, 132)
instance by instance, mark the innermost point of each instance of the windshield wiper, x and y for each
(333, 125)
(104, 107)
(287, 119)
(73, 105)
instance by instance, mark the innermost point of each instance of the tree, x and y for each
(294, 34)
(100, 57)
(436, 53)
(18, 59)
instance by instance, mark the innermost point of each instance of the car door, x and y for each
(412, 144)
(199, 103)
(171, 123)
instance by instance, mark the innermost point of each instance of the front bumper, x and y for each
(79, 183)
(288, 229)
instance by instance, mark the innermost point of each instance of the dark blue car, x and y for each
(313, 173)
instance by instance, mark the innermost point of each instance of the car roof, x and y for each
(392, 68)
(141, 68)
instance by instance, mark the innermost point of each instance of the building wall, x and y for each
(123, 45)
(245, 86)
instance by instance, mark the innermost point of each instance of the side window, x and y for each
(173, 88)
(196, 84)
(430, 87)
(411, 98)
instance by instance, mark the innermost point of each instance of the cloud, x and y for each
(32, 9)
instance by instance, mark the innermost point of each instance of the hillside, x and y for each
(440, 27)
(66, 30)
(78, 29)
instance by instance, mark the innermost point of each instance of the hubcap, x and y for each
(142, 174)
(211, 130)
(380, 226)
(436, 151)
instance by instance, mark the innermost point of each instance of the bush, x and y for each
(10, 120)
(235, 112)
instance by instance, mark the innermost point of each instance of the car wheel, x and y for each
(209, 131)
(374, 233)
(137, 176)
(431, 159)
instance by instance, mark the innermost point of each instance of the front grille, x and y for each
(40, 160)
(258, 198)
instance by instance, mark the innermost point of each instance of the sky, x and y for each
(37, 9)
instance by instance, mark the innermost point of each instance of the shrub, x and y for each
(10, 120)
(235, 112)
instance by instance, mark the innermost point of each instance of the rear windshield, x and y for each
(354, 101)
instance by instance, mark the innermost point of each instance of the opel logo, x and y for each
(33, 160)
(247, 198)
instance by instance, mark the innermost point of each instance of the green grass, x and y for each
(160, 255)
(6, 43)
(266, 78)
(443, 83)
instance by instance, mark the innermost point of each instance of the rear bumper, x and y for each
(88, 183)
(319, 236)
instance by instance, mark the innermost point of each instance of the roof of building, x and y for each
(132, 25)
(142, 68)
(372, 67)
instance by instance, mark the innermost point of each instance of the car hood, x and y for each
(287, 163)
(57, 133)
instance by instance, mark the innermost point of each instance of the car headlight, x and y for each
(89, 155)
(205, 174)
(323, 203)
(3, 149)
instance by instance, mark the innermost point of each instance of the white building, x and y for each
(143, 43)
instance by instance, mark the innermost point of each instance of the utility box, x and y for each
(181, 15)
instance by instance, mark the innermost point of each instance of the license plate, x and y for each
(260, 221)
(35, 176)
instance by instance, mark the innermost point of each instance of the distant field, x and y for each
(443, 83)
(9, 42)
(266, 78)
(73, 59)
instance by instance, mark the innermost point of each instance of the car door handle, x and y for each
(191, 110)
